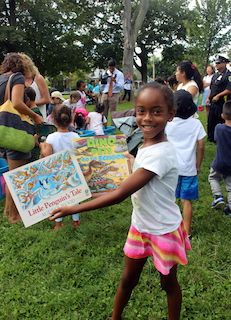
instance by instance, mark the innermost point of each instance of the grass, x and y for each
(73, 273)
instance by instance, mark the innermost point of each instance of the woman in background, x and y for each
(14, 64)
(35, 80)
(207, 80)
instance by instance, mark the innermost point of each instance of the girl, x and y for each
(157, 229)
(58, 141)
(206, 81)
(96, 120)
(190, 79)
(80, 86)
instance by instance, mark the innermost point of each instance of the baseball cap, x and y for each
(185, 105)
(57, 94)
(221, 59)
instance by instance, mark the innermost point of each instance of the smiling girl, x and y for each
(156, 229)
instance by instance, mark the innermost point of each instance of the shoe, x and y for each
(227, 211)
(76, 223)
(57, 227)
(218, 202)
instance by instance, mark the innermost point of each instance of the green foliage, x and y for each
(207, 30)
(73, 273)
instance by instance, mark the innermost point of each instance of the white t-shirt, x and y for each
(96, 122)
(184, 134)
(70, 105)
(154, 207)
(82, 101)
(61, 140)
(189, 84)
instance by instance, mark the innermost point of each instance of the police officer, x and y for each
(220, 88)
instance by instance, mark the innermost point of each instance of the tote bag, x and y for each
(16, 129)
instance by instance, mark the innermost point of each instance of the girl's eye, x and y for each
(156, 111)
(140, 111)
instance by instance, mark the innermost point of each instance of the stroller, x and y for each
(125, 122)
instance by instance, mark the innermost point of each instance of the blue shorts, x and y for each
(187, 188)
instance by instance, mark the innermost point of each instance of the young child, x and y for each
(156, 219)
(56, 98)
(75, 96)
(187, 135)
(31, 94)
(58, 141)
(221, 165)
(96, 119)
(81, 86)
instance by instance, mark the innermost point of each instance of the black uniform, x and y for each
(219, 83)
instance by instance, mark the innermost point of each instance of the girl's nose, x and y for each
(147, 116)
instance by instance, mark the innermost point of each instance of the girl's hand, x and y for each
(61, 212)
(131, 159)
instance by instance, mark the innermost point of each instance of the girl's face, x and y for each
(180, 75)
(209, 70)
(82, 87)
(152, 114)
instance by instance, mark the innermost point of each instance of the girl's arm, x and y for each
(134, 182)
(193, 90)
(46, 149)
(17, 94)
(200, 154)
(43, 90)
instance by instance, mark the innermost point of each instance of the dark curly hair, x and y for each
(13, 62)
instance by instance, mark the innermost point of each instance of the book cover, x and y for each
(46, 184)
(102, 161)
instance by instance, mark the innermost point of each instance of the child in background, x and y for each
(96, 120)
(58, 141)
(56, 98)
(221, 165)
(187, 135)
(80, 86)
(31, 94)
(157, 224)
(75, 96)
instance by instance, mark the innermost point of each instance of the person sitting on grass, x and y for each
(221, 165)
(96, 120)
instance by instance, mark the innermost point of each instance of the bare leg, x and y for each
(130, 278)
(170, 284)
(10, 207)
(187, 214)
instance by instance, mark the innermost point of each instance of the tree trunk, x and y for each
(131, 26)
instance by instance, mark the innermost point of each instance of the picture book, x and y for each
(46, 184)
(102, 161)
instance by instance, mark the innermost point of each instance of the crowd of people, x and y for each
(166, 166)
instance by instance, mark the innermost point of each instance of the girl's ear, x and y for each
(222, 116)
(171, 114)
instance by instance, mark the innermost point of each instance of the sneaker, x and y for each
(218, 202)
(75, 223)
(227, 211)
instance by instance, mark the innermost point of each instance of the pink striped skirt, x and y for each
(167, 249)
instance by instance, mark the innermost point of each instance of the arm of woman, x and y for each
(43, 90)
(17, 94)
(134, 182)
(193, 90)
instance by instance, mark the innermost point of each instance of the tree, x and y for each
(163, 27)
(131, 26)
(208, 35)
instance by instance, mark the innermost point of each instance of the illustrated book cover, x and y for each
(46, 184)
(102, 161)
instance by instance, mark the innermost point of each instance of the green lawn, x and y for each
(72, 274)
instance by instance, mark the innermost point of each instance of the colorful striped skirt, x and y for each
(167, 249)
